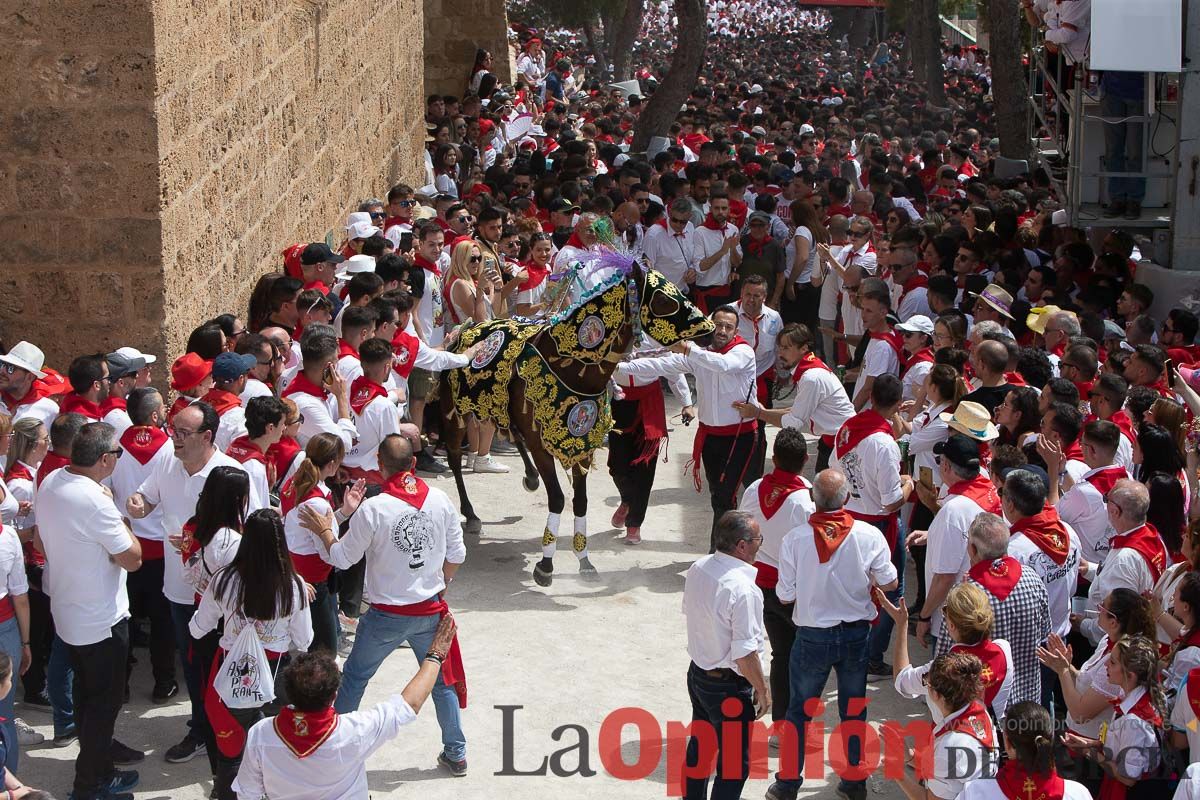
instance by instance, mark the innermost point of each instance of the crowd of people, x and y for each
(988, 392)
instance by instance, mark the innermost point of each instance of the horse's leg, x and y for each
(579, 506)
(454, 427)
(530, 481)
(543, 571)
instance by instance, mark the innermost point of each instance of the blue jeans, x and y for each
(181, 615)
(59, 680)
(379, 634)
(881, 634)
(707, 693)
(326, 628)
(817, 651)
(10, 643)
(1123, 145)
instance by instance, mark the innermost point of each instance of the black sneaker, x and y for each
(457, 768)
(64, 739)
(39, 701)
(852, 791)
(123, 780)
(164, 692)
(877, 670)
(427, 463)
(187, 749)
(124, 755)
(781, 791)
(1114, 209)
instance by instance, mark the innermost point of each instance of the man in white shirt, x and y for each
(264, 428)
(230, 372)
(320, 392)
(1107, 400)
(725, 373)
(375, 415)
(175, 487)
(257, 345)
(122, 378)
(911, 285)
(1068, 29)
(413, 539)
(1059, 444)
(829, 569)
(21, 388)
(725, 641)
(430, 316)
(759, 324)
(672, 250)
(88, 552)
(883, 352)
(358, 325)
(717, 255)
(1082, 505)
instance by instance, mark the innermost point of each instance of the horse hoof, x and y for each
(542, 576)
(473, 527)
(531, 483)
(587, 571)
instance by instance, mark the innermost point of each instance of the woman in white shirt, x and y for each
(1029, 742)
(259, 587)
(9, 507)
(14, 630)
(801, 299)
(1184, 655)
(1162, 597)
(964, 745)
(29, 443)
(1018, 417)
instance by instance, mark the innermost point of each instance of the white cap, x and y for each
(756, 88)
(134, 354)
(917, 323)
(28, 357)
(356, 217)
(758, 130)
(361, 230)
(356, 264)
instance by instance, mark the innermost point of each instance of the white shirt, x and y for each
(300, 540)
(431, 306)
(22, 490)
(212, 557)
(946, 546)
(928, 429)
(254, 388)
(915, 301)
(912, 683)
(839, 590)
(804, 274)
(233, 425)
(873, 470)
(1183, 718)
(1125, 452)
(81, 529)
(45, 410)
(1060, 580)
(1073, 43)
(378, 420)
(335, 771)
(1083, 508)
(405, 547)
(914, 378)
(176, 492)
(880, 359)
(1123, 567)
(791, 514)
(762, 333)
(706, 242)
(820, 404)
(670, 253)
(12, 564)
(989, 789)
(721, 378)
(1189, 786)
(1134, 737)
(119, 419)
(125, 480)
(1094, 675)
(319, 417)
(349, 367)
(724, 610)
(277, 635)
(958, 758)
(827, 309)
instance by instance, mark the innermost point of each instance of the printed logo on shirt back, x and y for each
(413, 534)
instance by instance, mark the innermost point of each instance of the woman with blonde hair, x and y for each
(9, 505)
(28, 445)
(800, 297)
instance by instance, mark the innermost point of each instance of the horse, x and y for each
(547, 383)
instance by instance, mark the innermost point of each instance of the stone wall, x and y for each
(455, 29)
(157, 155)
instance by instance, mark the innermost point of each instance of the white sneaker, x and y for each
(488, 464)
(26, 735)
(468, 462)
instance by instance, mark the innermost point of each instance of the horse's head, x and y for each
(667, 315)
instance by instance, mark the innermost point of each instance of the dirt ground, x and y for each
(536, 659)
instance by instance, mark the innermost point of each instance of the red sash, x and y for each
(1122, 420)
(19, 472)
(981, 491)
(143, 442)
(859, 427)
(405, 347)
(895, 340)
(1016, 783)
(222, 401)
(112, 403)
(922, 356)
(408, 487)
(243, 449)
(998, 577)
(453, 673)
(304, 731)
(652, 414)
(51, 462)
(974, 722)
(74, 403)
(302, 385)
(995, 665)
(1105, 478)
(1193, 691)
(1046, 530)
(830, 529)
(775, 487)
(362, 391)
(181, 402)
(1148, 544)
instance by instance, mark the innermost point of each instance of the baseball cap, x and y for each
(562, 205)
(134, 353)
(759, 216)
(361, 230)
(1112, 330)
(121, 366)
(918, 323)
(960, 450)
(319, 253)
(355, 217)
(231, 366)
(188, 371)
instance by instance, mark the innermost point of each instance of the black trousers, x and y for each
(920, 521)
(41, 634)
(707, 693)
(146, 599)
(726, 461)
(804, 308)
(634, 482)
(227, 766)
(758, 459)
(777, 619)
(824, 452)
(99, 693)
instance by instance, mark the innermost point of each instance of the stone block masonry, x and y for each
(457, 28)
(157, 155)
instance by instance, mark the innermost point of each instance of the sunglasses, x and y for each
(675, 221)
(462, 219)
(475, 259)
(378, 215)
(406, 203)
(857, 234)
(116, 451)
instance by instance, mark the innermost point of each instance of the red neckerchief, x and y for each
(835, 210)
(1046, 530)
(738, 211)
(408, 487)
(981, 491)
(74, 403)
(1193, 690)
(344, 349)
(181, 402)
(1123, 421)
(775, 487)
(317, 284)
(426, 264)
(112, 403)
(807, 362)
(895, 340)
(1104, 479)
(734, 342)
(536, 273)
(362, 391)
(1159, 386)
(1073, 452)
(712, 224)
(755, 247)
(302, 385)
(974, 722)
(1017, 783)
(830, 529)
(282, 454)
(390, 221)
(142, 442)
(1190, 639)
(1148, 544)
(1084, 387)
(922, 356)
(37, 390)
(303, 732)
(288, 499)
(221, 400)
(405, 347)
(1142, 709)
(243, 449)
(575, 241)
(859, 427)
(998, 577)
(19, 472)
(995, 665)
(918, 281)
(51, 462)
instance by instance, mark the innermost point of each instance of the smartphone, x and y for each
(1170, 368)
(327, 375)
(406, 242)
(926, 477)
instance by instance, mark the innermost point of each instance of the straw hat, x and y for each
(1036, 321)
(997, 298)
(973, 420)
